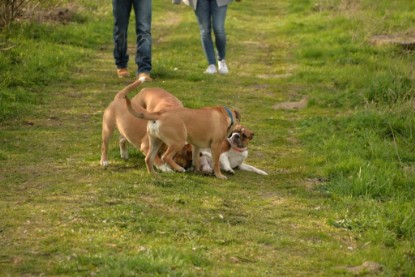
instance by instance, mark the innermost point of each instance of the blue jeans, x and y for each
(210, 15)
(142, 11)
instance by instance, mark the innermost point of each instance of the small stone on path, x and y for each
(405, 40)
(365, 268)
(295, 105)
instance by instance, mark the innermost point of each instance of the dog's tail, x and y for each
(122, 94)
(140, 112)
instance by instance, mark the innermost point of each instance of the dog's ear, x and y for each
(184, 157)
(248, 133)
(237, 128)
(237, 115)
(189, 152)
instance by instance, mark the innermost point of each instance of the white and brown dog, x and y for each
(202, 128)
(234, 153)
(134, 130)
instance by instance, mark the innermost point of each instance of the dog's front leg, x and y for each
(225, 164)
(247, 167)
(155, 144)
(215, 149)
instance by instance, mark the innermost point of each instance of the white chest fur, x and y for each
(234, 157)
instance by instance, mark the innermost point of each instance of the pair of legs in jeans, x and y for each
(121, 11)
(209, 16)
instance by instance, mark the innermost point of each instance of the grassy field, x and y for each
(339, 197)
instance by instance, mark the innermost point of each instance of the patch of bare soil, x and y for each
(274, 76)
(405, 40)
(344, 6)
(365, 268)
(291, 105)
(61, 15)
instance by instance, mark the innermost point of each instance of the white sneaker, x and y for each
(211, 69)
(223, 68)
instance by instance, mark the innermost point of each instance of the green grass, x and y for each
(341, 186)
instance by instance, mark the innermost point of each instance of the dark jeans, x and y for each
(142, 11)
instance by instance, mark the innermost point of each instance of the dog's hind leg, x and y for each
(123, 147)
(108, 126)
(155, 144)
(169, 154)
(158, 163)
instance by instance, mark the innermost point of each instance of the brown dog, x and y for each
(132, 129)
(202, 128)
(233, 153)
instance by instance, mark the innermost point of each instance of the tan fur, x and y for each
(203, 128)
(132, 129)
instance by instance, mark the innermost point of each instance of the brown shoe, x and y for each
(123, 73)
(146, 77)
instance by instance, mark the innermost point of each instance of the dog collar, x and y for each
(239, 149)
(230, 115)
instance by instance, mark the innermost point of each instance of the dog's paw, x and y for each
(181, 170)
(165, 168)
(207, 172)
(221, 176)
(191, 169)
(124, 155)
(230, 171)
(104, 164)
